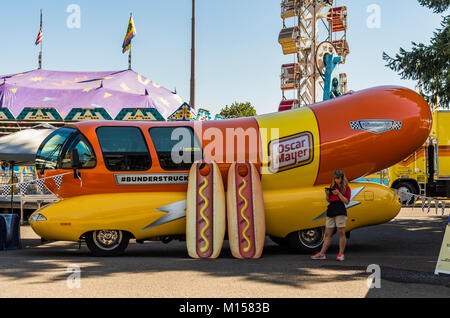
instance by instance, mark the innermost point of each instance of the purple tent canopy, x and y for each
(66, 90)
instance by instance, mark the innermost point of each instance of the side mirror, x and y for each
(75, 160)
(75, 163)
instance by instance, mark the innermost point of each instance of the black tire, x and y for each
(307, 241)
(107, 242)
(279, 240)
(406, 187)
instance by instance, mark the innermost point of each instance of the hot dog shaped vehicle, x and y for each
(130, 179)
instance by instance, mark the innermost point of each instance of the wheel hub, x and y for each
(311, 238)
(107, 239)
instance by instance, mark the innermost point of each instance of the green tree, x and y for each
(428, 64)
(237, 110)
(438, 6)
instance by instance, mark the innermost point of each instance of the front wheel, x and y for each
(107, 242)
(307, 241)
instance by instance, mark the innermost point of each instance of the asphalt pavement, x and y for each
(405, 250)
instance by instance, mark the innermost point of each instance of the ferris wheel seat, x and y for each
(288, 105)
(290, 74)
(289, 8)
(288, 39)
(342, 48)
(337, 17)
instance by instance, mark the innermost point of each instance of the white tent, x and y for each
(21, 147)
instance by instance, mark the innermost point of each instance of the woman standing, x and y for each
(338, 195)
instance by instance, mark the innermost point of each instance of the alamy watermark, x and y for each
(74, 278)
(374, 19)
(74, 19)
(229, 145)
(374, 279)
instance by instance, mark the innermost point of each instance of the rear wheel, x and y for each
(307, 241)
(107, 242)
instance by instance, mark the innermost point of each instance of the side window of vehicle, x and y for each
(49, 151)
(177, 147)
(85, 153)
(124, 148)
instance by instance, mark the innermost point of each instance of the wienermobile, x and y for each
(130, 180)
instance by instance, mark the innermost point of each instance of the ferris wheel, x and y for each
(317, 40)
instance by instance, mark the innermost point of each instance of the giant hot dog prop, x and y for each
(205, 211)
(245, 211)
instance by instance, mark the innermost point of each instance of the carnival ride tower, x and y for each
(312, 30)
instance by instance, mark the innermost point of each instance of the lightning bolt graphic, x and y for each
(351, 204)
(174, 212)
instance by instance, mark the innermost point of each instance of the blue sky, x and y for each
(238, 55)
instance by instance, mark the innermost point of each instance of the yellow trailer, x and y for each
(427, 171)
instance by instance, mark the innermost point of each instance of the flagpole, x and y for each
(129, 58)
(126, 46)
(40, 53)
(129, 53)
(12, 187)
(192, 101)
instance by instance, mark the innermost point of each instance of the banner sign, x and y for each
(151, 179)
(443, 264)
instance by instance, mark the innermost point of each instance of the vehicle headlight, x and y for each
(37, 217)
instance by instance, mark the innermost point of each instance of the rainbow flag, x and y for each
(131, 32)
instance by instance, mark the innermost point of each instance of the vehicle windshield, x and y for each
(55, 150)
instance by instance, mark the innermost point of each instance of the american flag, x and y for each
(39, 37)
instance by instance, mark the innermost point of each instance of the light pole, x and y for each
(192, 101)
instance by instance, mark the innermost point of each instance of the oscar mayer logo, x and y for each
(291, 152)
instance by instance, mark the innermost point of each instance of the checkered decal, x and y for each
(397, 125)
(355, 125)
(23, 188)
(40, 184)
(6, 190)
(58, 181)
